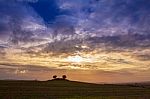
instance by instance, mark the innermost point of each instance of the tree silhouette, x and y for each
(55, 76)
(64, 76)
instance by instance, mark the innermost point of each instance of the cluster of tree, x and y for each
(63, 77)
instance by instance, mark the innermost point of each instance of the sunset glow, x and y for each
(76, 59)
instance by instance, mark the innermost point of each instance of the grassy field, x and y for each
(63, 89)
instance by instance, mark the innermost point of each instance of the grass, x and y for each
(64, 89)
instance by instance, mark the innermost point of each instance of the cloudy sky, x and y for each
(88, 40)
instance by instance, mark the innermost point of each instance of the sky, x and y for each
(87, 40)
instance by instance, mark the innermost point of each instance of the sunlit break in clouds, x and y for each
(88, 40)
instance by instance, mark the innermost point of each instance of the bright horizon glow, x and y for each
(75, 59)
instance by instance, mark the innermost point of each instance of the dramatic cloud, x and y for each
(24, 20)
(109, 17)
(103, 35)
(19, 23)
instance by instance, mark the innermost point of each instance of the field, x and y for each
(64, 89)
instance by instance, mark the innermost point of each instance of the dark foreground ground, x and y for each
(63, 89)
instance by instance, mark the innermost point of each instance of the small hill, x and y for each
(65, 89)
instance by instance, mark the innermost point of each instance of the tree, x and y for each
(64, 76)
(55, 76)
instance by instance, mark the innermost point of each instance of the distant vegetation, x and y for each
(63, 77)
(65, 89)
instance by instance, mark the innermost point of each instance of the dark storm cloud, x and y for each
(18, 22)
(94, 16)
(22, 21)
(122, 23)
